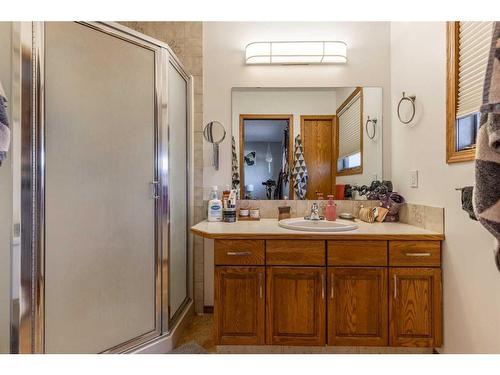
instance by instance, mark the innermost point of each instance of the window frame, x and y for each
(452, 62)
(359, 169)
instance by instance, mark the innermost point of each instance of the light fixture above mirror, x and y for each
(296, 53)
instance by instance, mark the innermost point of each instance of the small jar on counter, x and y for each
(229, 215)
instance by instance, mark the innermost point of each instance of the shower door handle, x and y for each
(154, 189)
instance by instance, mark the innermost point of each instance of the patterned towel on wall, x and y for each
(299, 172)
(487, 188)
(235, 175)
(4, 126)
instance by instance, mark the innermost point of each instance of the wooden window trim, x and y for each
(356, 170)
(452, 155)
(291, 144)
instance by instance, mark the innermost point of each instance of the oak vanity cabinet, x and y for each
(328, 292)
(357, 297)
(239, 308)
(296, 292)
(415, 295)
(296, 306)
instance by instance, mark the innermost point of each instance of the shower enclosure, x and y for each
(103, 163)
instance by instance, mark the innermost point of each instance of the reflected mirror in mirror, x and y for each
(331, 125)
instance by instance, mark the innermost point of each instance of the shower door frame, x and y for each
(30, 323)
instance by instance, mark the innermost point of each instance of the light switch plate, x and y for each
(414, 179)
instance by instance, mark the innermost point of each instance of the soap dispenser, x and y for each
(331, 209)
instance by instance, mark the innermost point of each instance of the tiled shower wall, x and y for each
(186, 40)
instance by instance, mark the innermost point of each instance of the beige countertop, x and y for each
(269, 229)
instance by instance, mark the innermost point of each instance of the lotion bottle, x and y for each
(331, 209)
(214, 206)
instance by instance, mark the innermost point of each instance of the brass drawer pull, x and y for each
(238, 253)
(418, 254)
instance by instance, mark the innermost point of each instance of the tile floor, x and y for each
(200, 330)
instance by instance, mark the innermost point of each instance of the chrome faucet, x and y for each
(314, 213)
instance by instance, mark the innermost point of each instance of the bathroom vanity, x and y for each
(378, 285)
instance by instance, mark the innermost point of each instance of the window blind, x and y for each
(474, 39)
(350, 128)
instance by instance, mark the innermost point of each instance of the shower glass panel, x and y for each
(178, 190)
(100, 286)
(5, 197)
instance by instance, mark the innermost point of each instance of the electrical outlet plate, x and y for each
(414, 179)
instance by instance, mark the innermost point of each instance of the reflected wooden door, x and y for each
(318, 138)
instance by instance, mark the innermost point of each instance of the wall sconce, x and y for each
(296, 53)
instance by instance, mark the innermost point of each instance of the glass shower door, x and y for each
(101, 281)
(178, 189)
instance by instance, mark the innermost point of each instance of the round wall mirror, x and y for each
(214, 133)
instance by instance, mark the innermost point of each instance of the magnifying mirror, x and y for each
(214, 133)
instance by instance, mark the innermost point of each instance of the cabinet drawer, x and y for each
(415, 253)
(357, 253)
(239, 252)
(295, 253)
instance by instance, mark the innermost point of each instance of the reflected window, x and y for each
(349, 162)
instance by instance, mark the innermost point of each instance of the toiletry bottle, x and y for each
(331, 209)
(214, 206)
(225, 195)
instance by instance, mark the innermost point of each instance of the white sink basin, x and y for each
(300, 223)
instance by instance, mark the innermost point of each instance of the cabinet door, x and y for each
(357, 306)
(296, 305)
(239, 308)
(415, 307)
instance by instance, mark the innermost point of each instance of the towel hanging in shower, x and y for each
(299, 172)
(487, 188)
(4, 126)
(235, 175)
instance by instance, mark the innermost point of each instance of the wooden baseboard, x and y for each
(208, 309)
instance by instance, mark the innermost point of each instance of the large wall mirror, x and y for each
(331, 134)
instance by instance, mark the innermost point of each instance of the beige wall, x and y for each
(471, 281)
(185, 39)
(5, 198)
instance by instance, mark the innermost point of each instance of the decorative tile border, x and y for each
(427, 217)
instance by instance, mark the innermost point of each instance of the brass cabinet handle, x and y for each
(238, 253)
(260, 286)
(395, 286)
(418, 254)
(331, 286)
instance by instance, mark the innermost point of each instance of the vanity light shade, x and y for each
(296, 53)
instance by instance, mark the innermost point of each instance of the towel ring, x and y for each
(374, 122)
(411, 99)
